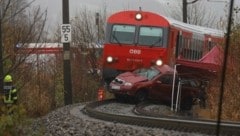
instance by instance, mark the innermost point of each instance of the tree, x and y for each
(231, 103)
(87, 37)
(199, 15)
(185, 3)
(20, 25)
(195, 12)
(88, 33)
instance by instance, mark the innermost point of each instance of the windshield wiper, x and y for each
(115, 38)
(158, 41)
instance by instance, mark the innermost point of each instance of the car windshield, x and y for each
(149, 73)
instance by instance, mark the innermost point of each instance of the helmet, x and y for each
(7, 78)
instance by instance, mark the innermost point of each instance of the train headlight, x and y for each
(138, 16)
(109, 59)
(159, 62)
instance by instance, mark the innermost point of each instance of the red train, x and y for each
(141, 39)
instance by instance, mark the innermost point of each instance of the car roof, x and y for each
(165, 69)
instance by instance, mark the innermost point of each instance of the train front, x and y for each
(134, 39)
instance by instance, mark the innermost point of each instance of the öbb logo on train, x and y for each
(135, 51)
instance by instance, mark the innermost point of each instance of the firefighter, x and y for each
(10, 92)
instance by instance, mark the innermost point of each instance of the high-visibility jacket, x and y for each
(10, 96)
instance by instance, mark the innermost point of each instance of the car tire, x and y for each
(141, 96)
(120, 98)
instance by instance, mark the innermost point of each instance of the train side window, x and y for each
(186, 48)
(209, 44)
(123, 34)
(196, 50)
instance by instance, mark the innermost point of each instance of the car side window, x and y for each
(166, 79)
(187, 83)
(193, 83)
(190, 83)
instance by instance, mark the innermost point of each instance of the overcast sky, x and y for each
(54, 7)
(164, 7)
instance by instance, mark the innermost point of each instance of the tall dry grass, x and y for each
(231, 97)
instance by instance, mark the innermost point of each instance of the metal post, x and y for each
(224, 68)
(178, 102)
(97, 23)
(184, 11)
(66, 58)
(1, 53)
(173, 85)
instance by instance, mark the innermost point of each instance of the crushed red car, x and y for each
(156, 83)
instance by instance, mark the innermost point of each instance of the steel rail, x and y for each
(167, 122)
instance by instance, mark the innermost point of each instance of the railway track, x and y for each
(148, 119)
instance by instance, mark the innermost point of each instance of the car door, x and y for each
(162, 88)
(190, 89)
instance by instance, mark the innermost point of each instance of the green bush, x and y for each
(11, 120)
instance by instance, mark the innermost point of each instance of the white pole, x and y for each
(178, 92)
(173, 86)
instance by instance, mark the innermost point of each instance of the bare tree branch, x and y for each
(192, 2)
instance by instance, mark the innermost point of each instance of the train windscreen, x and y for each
(150, 36)
(123, 34)
(146, 35)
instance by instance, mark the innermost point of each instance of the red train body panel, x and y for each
(141, 39)
(128, 17)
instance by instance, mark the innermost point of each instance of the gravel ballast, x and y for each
(70, 121)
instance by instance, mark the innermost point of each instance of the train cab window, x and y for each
(150, 36)
(123, 34)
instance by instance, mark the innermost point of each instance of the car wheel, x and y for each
(141, 96)
(120, 98)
